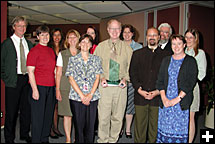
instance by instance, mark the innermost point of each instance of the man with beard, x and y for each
(165, 33)
(144, 68)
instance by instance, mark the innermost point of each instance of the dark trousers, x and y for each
(84, 120)
(145, 123)
(16, 99)
(42, 111)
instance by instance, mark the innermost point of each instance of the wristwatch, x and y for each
(180, 97)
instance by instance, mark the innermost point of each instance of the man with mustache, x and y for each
(165, 32)
(144, 68)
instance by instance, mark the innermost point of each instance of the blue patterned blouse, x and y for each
(84, 73)
(135, 46)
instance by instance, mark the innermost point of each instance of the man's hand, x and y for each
(153, 94)
(143, 93)
(122, 83)
(104, 83)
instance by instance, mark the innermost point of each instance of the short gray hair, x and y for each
(166, 25)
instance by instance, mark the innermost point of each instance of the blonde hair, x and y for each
(112, 20)
(17, 19)
(66, 43)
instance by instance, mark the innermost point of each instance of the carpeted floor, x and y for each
(200, 118)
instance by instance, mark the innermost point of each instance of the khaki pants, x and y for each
(111, 109)
(146, 121)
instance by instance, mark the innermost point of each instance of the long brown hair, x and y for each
(51, 42)
(195, 33)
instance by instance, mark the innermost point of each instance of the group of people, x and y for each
(84, 80)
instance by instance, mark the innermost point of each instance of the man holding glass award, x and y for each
(116, 56)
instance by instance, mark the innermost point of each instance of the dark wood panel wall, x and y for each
(3, 37)
(202, 18)
(171, 16)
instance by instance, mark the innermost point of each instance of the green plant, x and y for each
(209, 89)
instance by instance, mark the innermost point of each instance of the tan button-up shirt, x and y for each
(124, 53)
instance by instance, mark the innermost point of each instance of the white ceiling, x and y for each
(76, 12)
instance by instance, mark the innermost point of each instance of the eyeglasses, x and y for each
(116, 29)
(21, 26)
(189, 37)
(166, 32)
(71, 37)
(154, 35)
(85, 40)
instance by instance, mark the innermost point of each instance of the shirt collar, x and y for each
(117, 41)
(132, 44)
(16, 37)
(190, 52)
(163, 45)
(79, 56)
(154, 49)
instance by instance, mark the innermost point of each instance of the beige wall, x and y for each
(136, 20)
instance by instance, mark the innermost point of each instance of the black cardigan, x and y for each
(186, 80)
(9, 62)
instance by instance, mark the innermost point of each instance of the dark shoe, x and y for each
(27, 139)
(58, 133)
(96, 132)
(120, 134)
(54, 136)
(128, 135)
(9, 141)
(45, 142)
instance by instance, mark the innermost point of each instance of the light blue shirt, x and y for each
(201, 61)
(84, 73)
(135, 46)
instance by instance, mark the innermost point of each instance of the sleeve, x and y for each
(160, 85)
(202, 65)
(97, 53)
(32, 57)
(133, 71)
(3, 56)
(191, 71)
(70, 71)
(59, 60)
(99, 69)
(130, 53)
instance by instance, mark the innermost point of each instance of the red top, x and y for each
(93, 49)
(44, 60)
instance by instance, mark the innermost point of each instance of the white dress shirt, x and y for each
(201, 62)
(16, 42)
(163, 45)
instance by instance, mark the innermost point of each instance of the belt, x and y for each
(23, 74)
(113, 82)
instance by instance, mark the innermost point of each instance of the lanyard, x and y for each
(85, 68)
